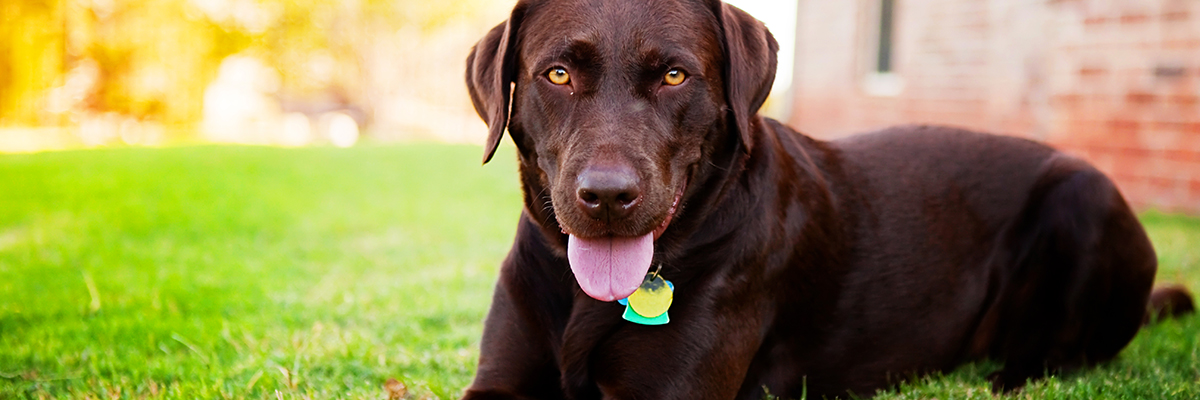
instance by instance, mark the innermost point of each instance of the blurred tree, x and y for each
(153, 59)
(31, 42)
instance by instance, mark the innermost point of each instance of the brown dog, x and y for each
(797, 264)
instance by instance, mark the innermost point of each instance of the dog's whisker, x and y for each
(716, 166)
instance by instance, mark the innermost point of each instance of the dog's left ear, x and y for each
(491, 69)
(750, 62)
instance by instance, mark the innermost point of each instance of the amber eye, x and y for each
(559, 76)
(674, 77)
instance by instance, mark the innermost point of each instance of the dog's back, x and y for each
(967, 245)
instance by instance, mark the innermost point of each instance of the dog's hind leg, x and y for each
(1079, 273)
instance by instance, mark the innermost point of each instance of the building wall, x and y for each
(1115, 82)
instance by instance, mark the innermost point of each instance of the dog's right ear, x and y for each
(491, 69)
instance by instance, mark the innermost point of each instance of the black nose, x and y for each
(608, 192)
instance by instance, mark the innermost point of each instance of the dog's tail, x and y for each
(1169, 301)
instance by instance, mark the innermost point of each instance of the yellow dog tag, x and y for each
(653, 298)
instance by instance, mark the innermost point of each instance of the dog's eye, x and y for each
(559, 76)
(674, 77)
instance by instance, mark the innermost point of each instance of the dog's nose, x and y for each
(608, 192)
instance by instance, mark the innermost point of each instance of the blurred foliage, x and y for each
(152, 59)
(31, 46)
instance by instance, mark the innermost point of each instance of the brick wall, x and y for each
(1116, 82)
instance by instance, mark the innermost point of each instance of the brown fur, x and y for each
(832, 267)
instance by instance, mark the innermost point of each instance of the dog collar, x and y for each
(648, 305)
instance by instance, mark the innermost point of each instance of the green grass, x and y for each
(237, 271)
(247, 272)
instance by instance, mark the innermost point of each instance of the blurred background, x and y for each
(98, 72)
(140, 72)
(1114, 81)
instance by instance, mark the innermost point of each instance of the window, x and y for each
(883, 57)
(878, 30)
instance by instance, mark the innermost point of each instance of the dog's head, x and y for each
(614, 105)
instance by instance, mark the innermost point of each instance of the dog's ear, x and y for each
(491, 69)
(750, 62)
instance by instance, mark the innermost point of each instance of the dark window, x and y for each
(883, 61)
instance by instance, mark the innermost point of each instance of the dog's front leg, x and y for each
(516, 360)
(705, 352)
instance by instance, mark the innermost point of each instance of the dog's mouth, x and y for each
(612, 267)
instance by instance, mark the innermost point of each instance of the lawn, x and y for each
(249, 272)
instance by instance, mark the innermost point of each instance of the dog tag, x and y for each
(648, 305)
(632, 316)
(652, 298)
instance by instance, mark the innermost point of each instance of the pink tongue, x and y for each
(610, 268)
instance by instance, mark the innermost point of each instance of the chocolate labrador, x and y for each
(795, 265)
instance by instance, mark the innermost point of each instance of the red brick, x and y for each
(1128, 103)
(1170, 126)
(1159, 167)
(1189, 142)
(1194, 188)
(1130, 165)
(1184, 99)
(1134, 18)
(1091, 72)
(1123, 126)
(1166, 192)
(1100, 157)
(1181, 44)
(1187, 170)
(1175, 166)
(1176, 16)
(1140, 98)
(1068, 100)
